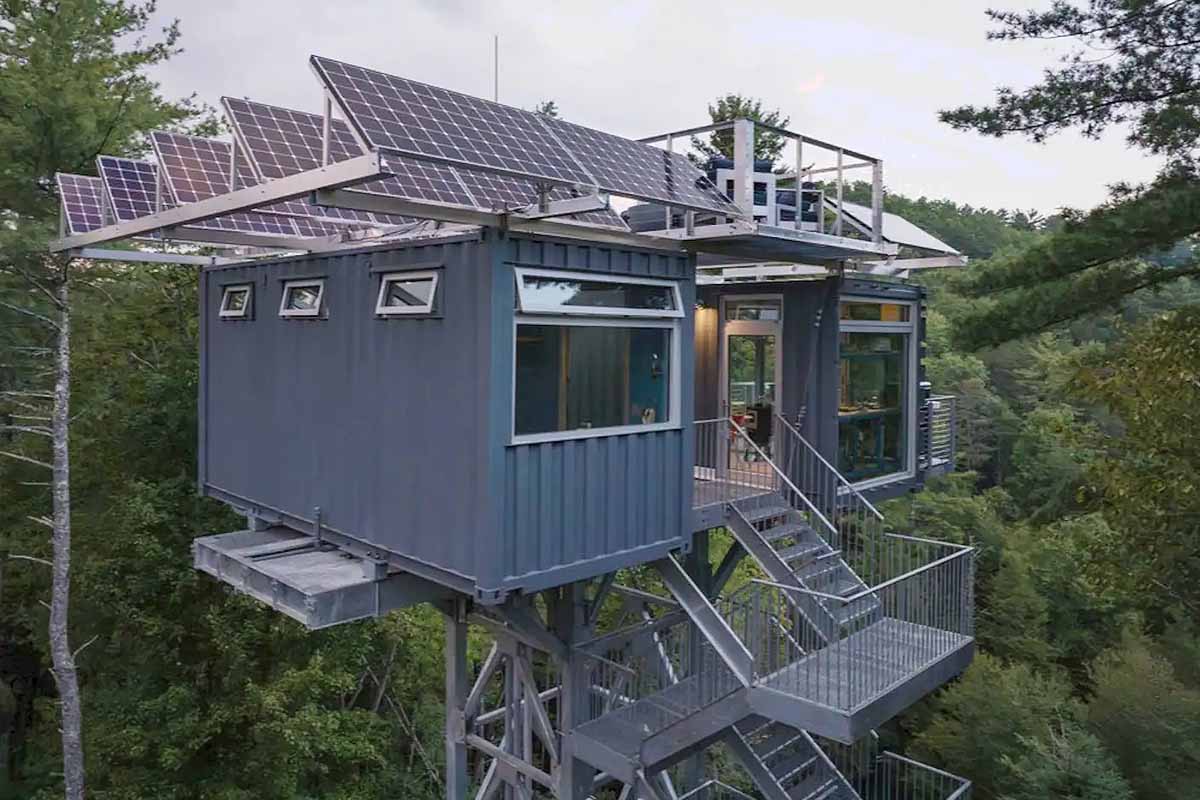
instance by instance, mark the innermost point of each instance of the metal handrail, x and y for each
(771, 463)
(850, 488)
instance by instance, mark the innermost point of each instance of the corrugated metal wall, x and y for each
(380, 422)
(579, 508)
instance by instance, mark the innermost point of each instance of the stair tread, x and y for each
(756, 515)
(787, 766)
(825, 790)
(792, 529)
(804, 549)
(780, 738)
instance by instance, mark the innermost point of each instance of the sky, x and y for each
(869, 75)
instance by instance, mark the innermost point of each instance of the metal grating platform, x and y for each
(315, 584)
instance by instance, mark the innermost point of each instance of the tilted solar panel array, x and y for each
(282, 142)
(413, 119)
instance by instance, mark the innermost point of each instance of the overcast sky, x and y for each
(869, 75)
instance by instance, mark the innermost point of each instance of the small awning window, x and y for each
(407, 293)
(302, 298)
(555, 292)
(236, 301)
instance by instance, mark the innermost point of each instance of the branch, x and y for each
(40, 317)
(26, 459)
(75, 655)
(27, 429)
(49, 523)
(34, 559)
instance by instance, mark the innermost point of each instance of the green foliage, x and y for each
(1013, 624)
(978, 723)
(1149, 720)
(1147, 482)
(1149, 81)
(1066, 764)
(1049, 463)
(733, 106)
(73, 85)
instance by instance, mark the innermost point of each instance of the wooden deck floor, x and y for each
(866, 665)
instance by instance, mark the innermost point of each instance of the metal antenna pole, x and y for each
(496, 67)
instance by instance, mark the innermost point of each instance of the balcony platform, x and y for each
(710, 494)
(847, 689)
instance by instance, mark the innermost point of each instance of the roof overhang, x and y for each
(762, 243)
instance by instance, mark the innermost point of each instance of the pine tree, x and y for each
(1150, 81)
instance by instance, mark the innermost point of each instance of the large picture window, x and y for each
(876, 382)
(589, 369)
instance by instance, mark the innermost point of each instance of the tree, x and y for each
(1145, 480)
(1148, 719)
(728, 107)
(72, 85)
(1067, 763)
(547, 108)
(1150, 81)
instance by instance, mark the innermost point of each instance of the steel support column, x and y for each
(457, 686)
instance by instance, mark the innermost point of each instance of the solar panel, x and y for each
(280, 142)
(414, 119)
(83, 204)
(131, 187)
(637, 170)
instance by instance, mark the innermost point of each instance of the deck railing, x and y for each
(670, 657)
(836, 498)
(916, 606)
(882, 775)
(731, 466)
(940, 419)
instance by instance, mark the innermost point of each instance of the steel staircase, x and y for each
(785, 763)
(852, 626)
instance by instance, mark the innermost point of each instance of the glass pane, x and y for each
(303, 298)
(235, 299)
(406, 293)
(580, 377)
(765, 310)
(545, 291)
(876, 312)
(752, 390)
(871, 408)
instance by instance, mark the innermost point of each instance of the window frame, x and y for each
(224, 312)
(543, 309)
(302, 313)
(674, 404)
(426, 310)
(910, 330)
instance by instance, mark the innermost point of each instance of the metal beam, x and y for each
(573, 205)
(344, 173)
(473, 216)
(712, 126)
(724, 641)
(146, 257)
(456, 693)
(511, 761)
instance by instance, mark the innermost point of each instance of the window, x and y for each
(582, 368)
(575, 293)
(406, 293)
(761, 309)
(235, 301)
(876, 312)
(877, 365)
(302, 298)
(585, 377)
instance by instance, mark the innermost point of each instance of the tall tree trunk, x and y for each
(60, 648)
